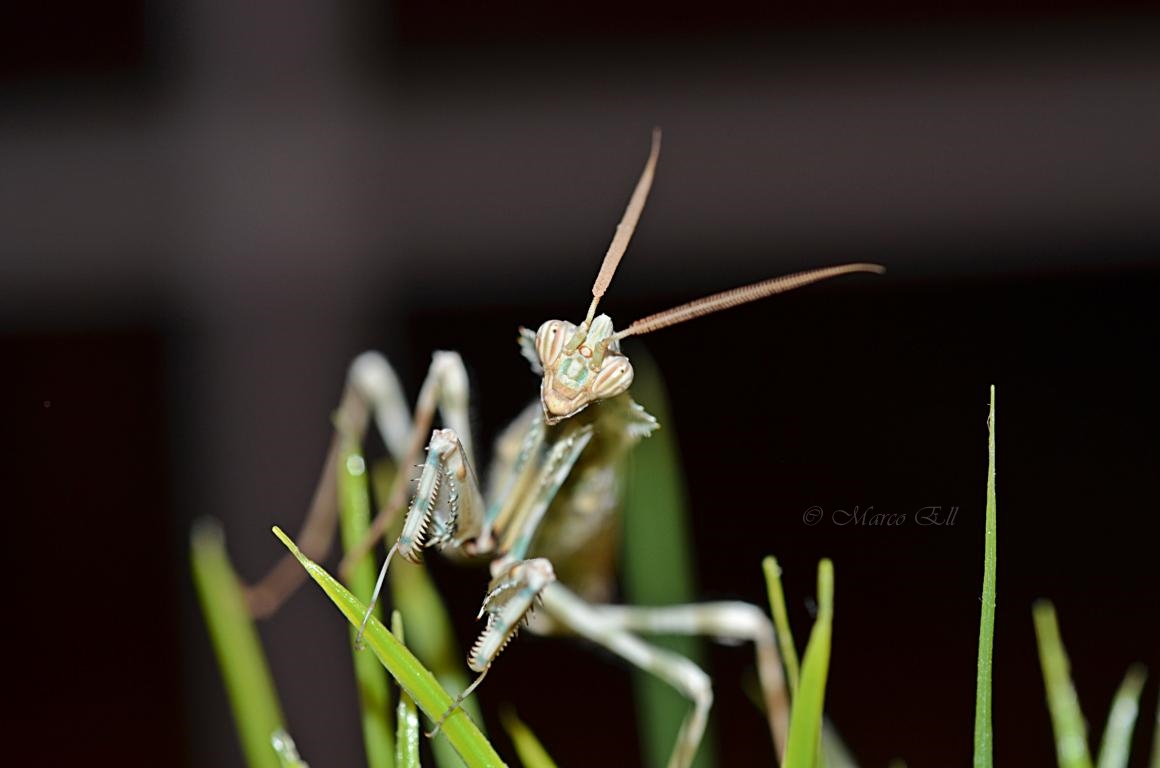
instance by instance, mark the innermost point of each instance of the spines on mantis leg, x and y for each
(509, 602)
(447, 509)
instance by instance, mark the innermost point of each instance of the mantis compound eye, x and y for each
(551, 338)
(615, 376)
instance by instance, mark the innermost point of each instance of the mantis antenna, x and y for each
(626, 227)
(738, 296)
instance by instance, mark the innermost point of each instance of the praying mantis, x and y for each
(553, 490)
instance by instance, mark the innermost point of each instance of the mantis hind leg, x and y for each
(588, 621)
(730, 621)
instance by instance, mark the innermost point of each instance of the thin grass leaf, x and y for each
(407, 717)
(984, 738)
(1116, 745)
(411, 675)
(430, 635)
(286, 751)
(1155, 762)
(249, 686)
(657, 564)
(528, 747)
(1071, 746)
(354, 506)
(805, 723)
(785, 643)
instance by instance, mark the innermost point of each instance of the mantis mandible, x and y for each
(553, 488)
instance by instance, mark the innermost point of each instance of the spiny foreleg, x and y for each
(372, 391)
(511, 598)
(447, 510)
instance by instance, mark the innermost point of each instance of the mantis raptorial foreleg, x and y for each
(578, 616)
(372, 390)
(447, 511)
(511, 597)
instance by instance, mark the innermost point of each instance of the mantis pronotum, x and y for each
(553, 488)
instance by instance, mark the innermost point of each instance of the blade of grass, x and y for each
(1071, 747)
(528, 747)
(354, 505)
(984, 738)
(411, 675)
(407, 738)
(286, 750)
(249, 686)
(657, 565)
(805, 723)
(430, 634)
(1155, 762)
(785, 642)
(1116, 744)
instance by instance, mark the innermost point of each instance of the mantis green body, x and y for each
(545, 517)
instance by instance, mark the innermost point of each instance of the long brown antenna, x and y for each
(742, 295)
(626, 226)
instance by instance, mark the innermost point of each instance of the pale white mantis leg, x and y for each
(445, 389)
(372, 389)
(586, 620)
(732, 620)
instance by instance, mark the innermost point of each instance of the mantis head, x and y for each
(582, 364)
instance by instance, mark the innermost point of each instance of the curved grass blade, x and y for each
(1117, 741)
(354, 509)
(249, 686)
(657, 564)
(1071, 746)
(411, 675)
(984, 738)
(528, 747)
(407, 717)
(785, 643)
(805, 722)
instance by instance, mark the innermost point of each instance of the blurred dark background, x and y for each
(206, 211)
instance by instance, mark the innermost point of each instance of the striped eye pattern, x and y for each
(551, 338)
(615, 376)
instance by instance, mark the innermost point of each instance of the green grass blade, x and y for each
(1116, 744)
(430, 635)
(354, 506)
(657, 567)
(785, 642)
(528, 747)
(1155, 762)
(1071, 747)
(286, 750)
(249, 686)
(805, 723)
(407, 717)
(984, 738)
(412, 676)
